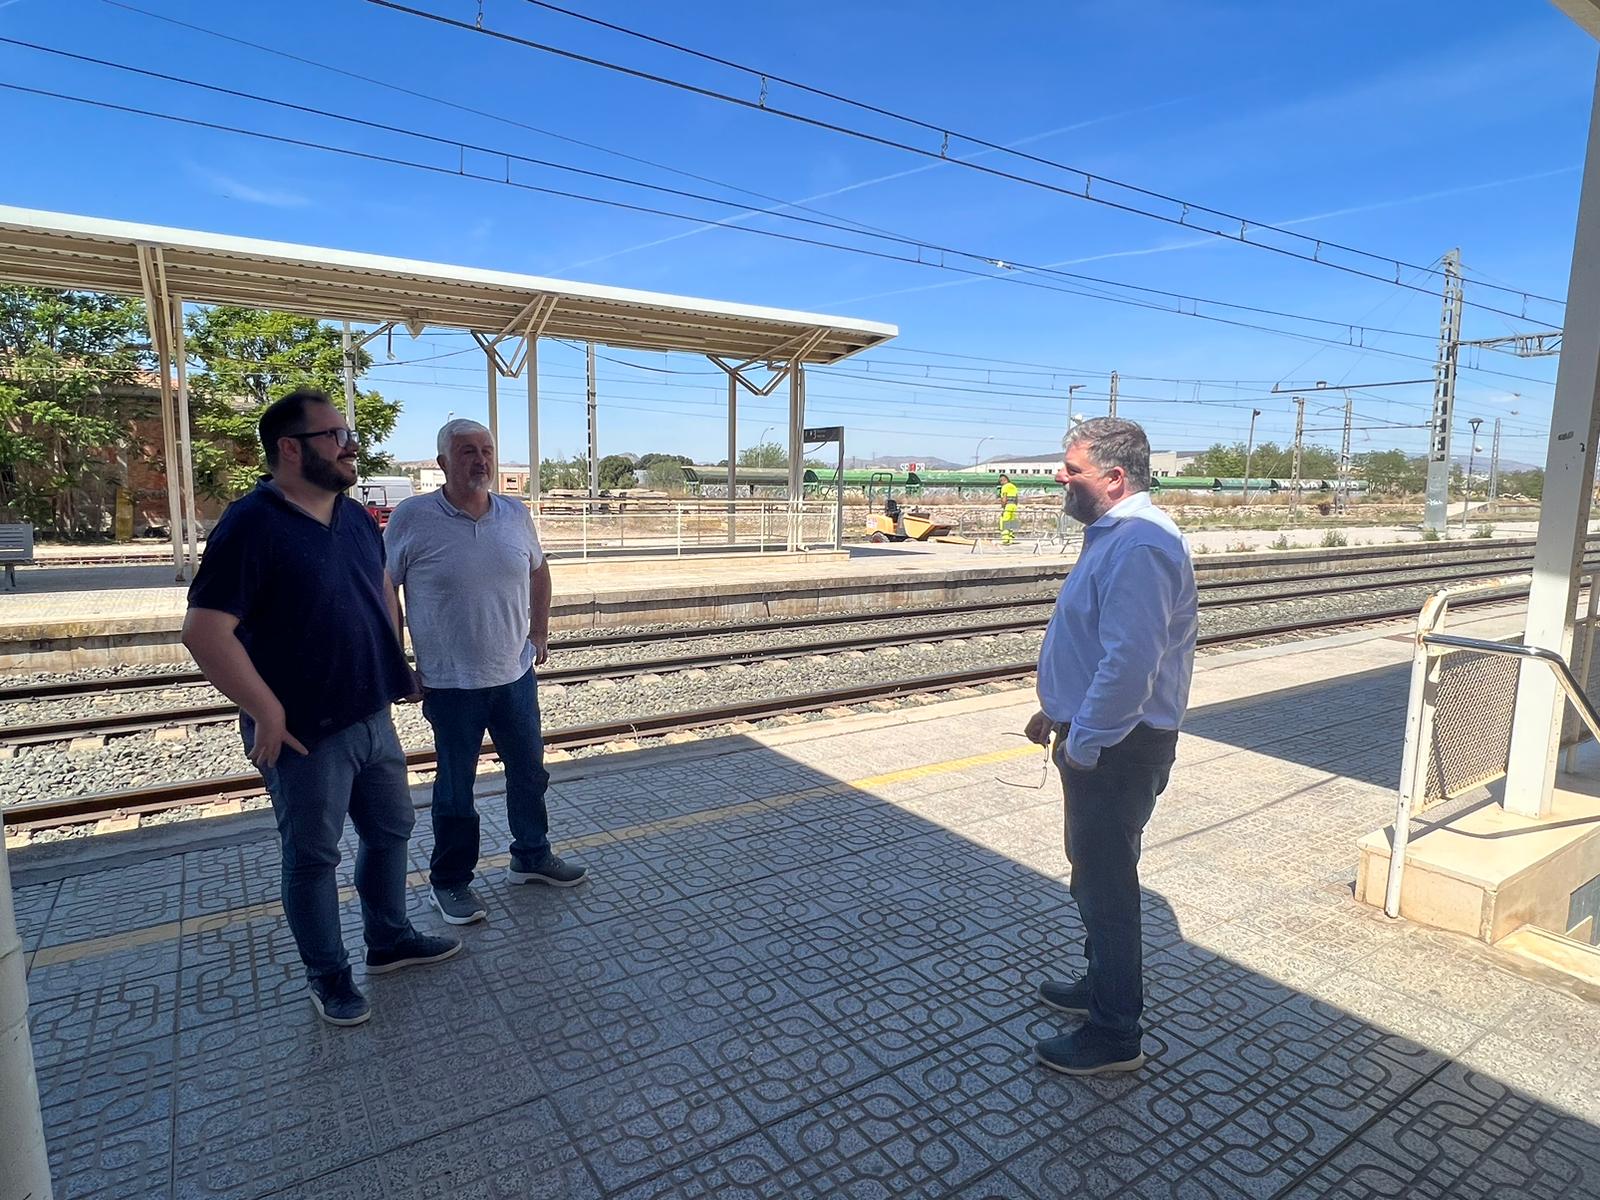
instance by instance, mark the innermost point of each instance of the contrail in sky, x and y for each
(1208, 240)
(866, 183)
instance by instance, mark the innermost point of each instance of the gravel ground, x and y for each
(686, 638)
(144, 759)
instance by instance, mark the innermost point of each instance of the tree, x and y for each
(664, 474)
(248, 358)
(1392, 471)
(766, 454)
(1222, 460)
(616, 471)
(1523, 483)
(70, 394)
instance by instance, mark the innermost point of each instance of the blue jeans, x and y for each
(360, 770)
(460, 717)
(1107, 810)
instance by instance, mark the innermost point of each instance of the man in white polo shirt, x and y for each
(477, 600)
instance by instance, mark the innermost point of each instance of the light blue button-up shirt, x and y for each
(1120, 646)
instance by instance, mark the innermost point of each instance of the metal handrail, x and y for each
(1569, 681)
(1414, 773)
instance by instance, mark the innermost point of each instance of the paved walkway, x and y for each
(804, 968)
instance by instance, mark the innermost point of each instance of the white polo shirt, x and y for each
(468, 588)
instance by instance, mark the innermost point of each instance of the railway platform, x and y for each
(63, 618)
(804, 967)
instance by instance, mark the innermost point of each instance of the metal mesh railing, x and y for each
(1474, 699)
(1463, 699)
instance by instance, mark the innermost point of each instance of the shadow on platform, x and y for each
(776, 985)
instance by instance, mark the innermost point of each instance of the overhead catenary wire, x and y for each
(946, 132)
(460, 172)
(942, 155)
(1356, 333)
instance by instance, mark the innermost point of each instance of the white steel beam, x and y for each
(1564, 509)
(180, 358)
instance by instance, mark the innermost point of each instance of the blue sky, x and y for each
(1406, 129)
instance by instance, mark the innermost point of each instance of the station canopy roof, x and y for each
(45, 249)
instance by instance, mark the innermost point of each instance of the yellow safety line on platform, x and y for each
(208, 922)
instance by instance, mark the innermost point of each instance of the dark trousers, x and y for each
(460, 717)
(1107, 809)
(360, 770)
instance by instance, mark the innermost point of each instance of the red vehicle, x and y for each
(380, 495)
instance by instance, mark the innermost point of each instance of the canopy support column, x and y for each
(797, 423)
(1564, 511)
(494, 399)
(152, 276)
(180, 357)
(531, 366)
(529, 326)
(733, 452)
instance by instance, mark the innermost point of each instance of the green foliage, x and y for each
(1523, 483)
(766, 454)
(1281, 542)
(70, 392)
(1483, 531)
(1430, 535)
(247, 358)
(1333, 538)
(1392, 471)
(1268, 460)
(616, 471)
(664, 474)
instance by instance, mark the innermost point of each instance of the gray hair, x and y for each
(460, 425)
(1114, 442)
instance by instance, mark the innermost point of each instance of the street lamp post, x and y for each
(1249, 449)
(977, 451)
(1466, 484)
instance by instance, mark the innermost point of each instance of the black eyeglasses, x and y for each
(341, 436)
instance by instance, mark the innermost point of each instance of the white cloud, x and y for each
(238, 189)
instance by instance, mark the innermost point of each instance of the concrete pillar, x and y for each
(24, 1163)
(1564, 513)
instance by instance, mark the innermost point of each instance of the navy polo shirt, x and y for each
(311, 606)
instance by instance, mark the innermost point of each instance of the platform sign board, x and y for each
(817, 435)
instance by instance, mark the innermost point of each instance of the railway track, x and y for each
(1450, 565)
(70, 810)
(880, 632)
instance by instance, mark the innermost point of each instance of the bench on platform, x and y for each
(16, 549)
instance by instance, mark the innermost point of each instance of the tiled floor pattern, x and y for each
(804, 991)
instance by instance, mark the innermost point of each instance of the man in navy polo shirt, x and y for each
(293, 617)
(477, 591)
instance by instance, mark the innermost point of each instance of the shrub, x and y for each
(1281, 542)
(1335, 537)
(1483, 531)
(1430, 535)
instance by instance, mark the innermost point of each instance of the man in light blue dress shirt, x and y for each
(1114, 676)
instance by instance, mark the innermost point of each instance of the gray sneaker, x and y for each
(458, 905)
(1070, 997)
(337, 1000)
(548, 870)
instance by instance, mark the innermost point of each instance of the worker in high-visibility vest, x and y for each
(1008, 510)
